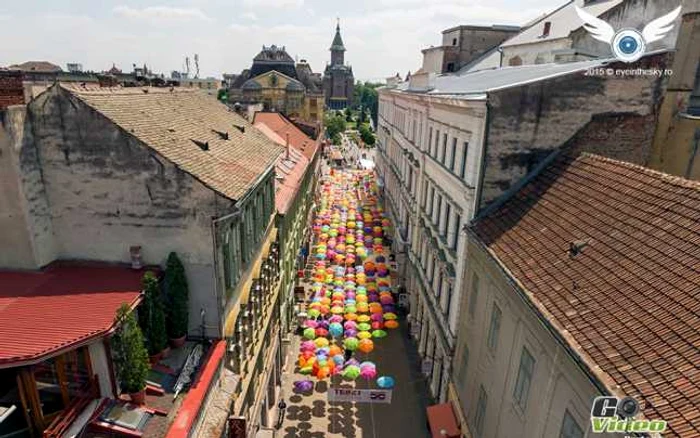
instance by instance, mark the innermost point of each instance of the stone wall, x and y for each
(527, 122)
(93, 191)
(11, 89)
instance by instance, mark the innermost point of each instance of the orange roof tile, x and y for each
(630, 300)
(282, 126)
(288, 172)
(42, 313)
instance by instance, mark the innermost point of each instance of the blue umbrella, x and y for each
(385, 382)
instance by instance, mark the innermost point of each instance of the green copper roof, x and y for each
(337, 41)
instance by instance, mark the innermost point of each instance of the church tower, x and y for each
(338, 80)
(337, 48)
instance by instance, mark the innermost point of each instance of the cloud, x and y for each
(250, 16)
(274, 3)
(161, 13)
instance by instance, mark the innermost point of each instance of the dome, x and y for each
(251, 85)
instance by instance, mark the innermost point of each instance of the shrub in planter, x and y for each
(152, 316)
(130, 354)
(178, 300)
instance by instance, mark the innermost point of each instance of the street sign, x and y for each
(359, 395)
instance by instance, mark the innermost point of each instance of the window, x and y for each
(454, 41)
(444, 148)
(522, 383)
(438, 289)
(570, 428)
(436, 219)
(452, 155)
(432, 199)
(462, 366)
(455, 233)
(474, 295)
(430, 139)
(433, 152)
(448, 303)
(463, 167)
(448, 212)
(480, 412)
(494, 328)
(226, 249)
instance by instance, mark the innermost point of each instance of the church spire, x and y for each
(337, 45)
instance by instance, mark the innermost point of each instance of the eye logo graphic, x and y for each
(628, 45)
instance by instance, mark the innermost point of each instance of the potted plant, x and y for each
(130, 355)
(178, 300)
(152, 318)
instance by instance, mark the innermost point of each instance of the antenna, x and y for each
(196, 66)
(187, 65)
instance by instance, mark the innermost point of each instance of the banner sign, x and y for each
(359, 395)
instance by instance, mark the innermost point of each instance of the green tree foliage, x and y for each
(152, 315)
(178, 297)
(222, 95)
(348, 114)
(366, 135)
(130, 354)
(365, 96)
(335, 125)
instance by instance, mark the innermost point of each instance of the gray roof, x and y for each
(563, 20)
(477, 83)
(337, 44)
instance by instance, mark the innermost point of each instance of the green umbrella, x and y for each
(378, 334)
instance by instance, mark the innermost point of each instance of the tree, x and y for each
(348, 114)
(365, 96)
(222, 95)
(366, 135)
(335, 125)
(130, 354)
(152, 315)
(177, 292)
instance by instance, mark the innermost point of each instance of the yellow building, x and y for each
(677, 139)
(281, 85)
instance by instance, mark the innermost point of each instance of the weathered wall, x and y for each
(472, 43)
(558, 385)
(535, 53)
(11, 89)
(16, 249)
(528, 122)
(677, 140)
(633, 14)
(107, 191)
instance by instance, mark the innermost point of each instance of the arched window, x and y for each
(516, 60)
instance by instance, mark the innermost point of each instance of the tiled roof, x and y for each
(38, 66)
(288, 172)
(629, 303)
(168, 120)
(42, 313)
(282, 126)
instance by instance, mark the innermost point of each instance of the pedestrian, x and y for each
(281, 407)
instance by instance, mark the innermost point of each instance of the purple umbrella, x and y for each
(303, 385)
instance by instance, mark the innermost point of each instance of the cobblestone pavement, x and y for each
(310, 415)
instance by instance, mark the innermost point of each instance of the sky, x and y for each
(382, 37)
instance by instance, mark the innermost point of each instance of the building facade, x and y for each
(447, 148)
(338, 80)
(107, 175)
(542, 334)
(677, 137)
(281, 85)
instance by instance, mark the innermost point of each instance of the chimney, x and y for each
(547, 28)
(287, 146)
(135, 252)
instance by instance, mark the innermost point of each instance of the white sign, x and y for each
(427, 366)
(359, 395)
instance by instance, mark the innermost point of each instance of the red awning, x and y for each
(442, 421)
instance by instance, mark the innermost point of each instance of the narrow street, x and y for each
(352, 336)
